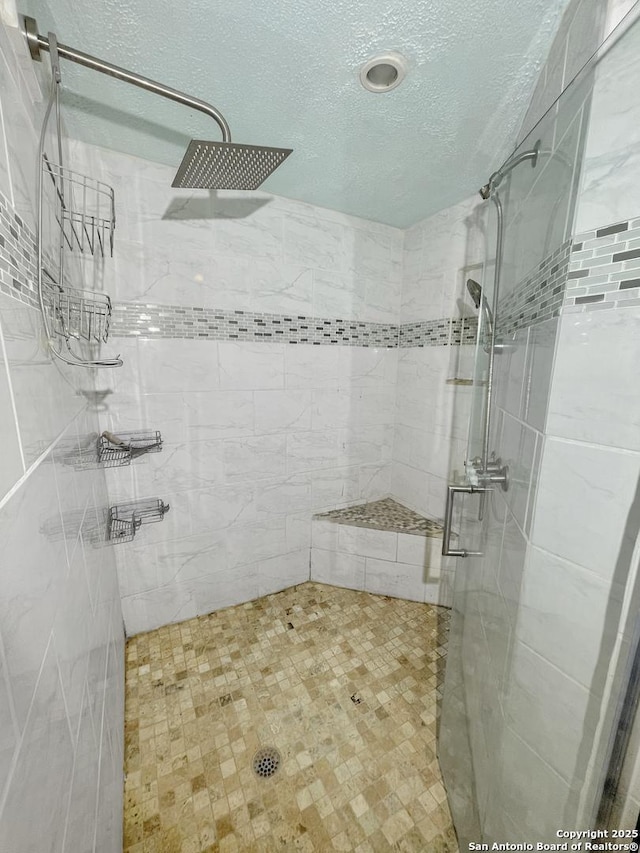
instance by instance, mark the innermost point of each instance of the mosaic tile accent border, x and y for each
(17, 256)
(605, 269)
(385, 514)
(537, 297)
(441, 332)
(176, 321)
(191, 322)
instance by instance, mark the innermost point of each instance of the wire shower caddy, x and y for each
(84, 211)
(114, 451)
(126, 519)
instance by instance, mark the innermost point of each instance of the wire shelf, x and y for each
(81, 314)
(85, 210)
(126, 519)
(117, 450)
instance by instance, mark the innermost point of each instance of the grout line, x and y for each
(29, 471)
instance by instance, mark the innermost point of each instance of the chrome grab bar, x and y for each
(452, 491)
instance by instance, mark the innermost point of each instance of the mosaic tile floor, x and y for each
(344, 684)
(385, 514)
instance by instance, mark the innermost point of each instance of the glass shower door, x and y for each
(468, 696)
(490, 764)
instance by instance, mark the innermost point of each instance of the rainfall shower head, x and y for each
(227, 165)
(224, 165)
(479, 299)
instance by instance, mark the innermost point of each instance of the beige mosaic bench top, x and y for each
(385, 514)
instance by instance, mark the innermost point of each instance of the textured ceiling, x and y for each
(285, 73)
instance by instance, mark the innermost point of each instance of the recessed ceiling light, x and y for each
(384, 72)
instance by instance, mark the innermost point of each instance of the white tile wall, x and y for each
(611, 175)
(257, 436)
(431, 423)
(261, 253)
(62, 640)
(401, 565)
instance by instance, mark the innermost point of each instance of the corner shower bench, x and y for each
(382, 547)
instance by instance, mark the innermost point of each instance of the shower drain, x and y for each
(266, 762)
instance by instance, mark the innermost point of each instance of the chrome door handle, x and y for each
(452, 491)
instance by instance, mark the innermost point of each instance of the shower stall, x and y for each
(335, 412)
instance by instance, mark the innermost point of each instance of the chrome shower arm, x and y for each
(38, 43)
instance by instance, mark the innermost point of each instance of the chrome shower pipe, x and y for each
(495, 197)
(490, 190)
(38, 43)
(496, 179)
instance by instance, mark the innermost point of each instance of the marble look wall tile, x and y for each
(213, 508)
(540, 354)
(247, 366)
(616, 10)
(517, 450)
(224, 589)
(43, 767)
(338, 486)
(254, 457)
(511, 563)
(585, 35)
(262, 258)
(399, 580)
(254, 542)
(174, 365)
(72, 636)
(510, 375)
(178, 467)
(257, 236)
(410, 486)
(283, 495)
(58, 606)
(11, 461)
(160, 606)
(367, 543)
(337, 568)
(44, 398)
(563, 614)
(374, 480)
(285, 570)
(80, 827)
(333, 297)
(298, 531)
(282, 411)
(529, 788)
(192, 416)
(184, 560)
(548, 710)
(9, 730)
(138, 566)
(597, 361)
(587, 490)
(312, 367)
(422, 551)
(609, 183)
(315, 242)
(324, 534)
(20, 135)
(431, 271)
(308, 451)
(35, 560)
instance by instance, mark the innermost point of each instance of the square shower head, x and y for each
(227, 165)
